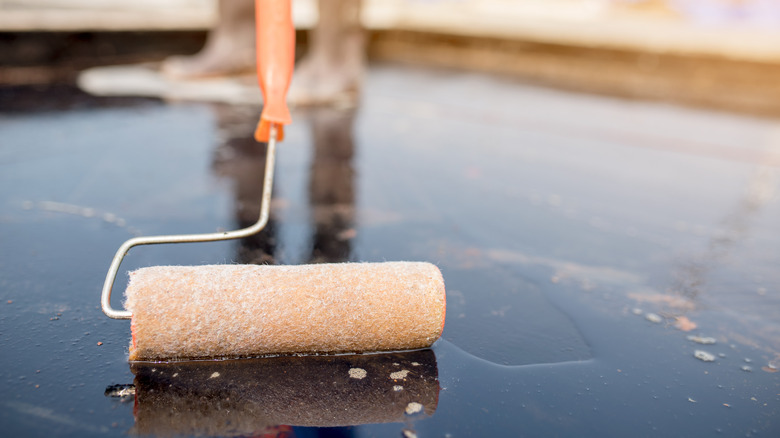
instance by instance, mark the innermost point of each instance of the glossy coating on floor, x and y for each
(611, 265)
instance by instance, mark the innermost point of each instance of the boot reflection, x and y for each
(268, 395)
(241, 159)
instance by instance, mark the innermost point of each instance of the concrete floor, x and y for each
(582, 239)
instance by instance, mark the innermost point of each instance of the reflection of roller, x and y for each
(246, 397)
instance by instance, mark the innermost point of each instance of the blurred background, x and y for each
(680, 50)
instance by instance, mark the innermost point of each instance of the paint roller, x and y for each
(231, 311)
(249, 396)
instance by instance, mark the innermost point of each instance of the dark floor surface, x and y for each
(563, 224)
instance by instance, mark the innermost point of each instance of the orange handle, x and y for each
(275, 60)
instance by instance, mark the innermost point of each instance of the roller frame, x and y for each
(265, 207)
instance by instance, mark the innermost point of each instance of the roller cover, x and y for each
(189, 312)
(248, 397)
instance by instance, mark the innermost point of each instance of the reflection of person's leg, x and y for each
(229, 49)
(331, 185)
(241, 160)
(332, 70)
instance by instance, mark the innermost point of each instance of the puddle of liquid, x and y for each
(549, 235)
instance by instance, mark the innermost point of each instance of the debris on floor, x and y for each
(704, 340)
(704, 356)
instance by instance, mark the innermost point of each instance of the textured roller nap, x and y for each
(248, 397)
(185, 312)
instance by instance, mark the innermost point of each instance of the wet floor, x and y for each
(611, 265)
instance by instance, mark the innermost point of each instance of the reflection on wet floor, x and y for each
(255, 396)
(240, 159)
(332, 184)
(331, 192)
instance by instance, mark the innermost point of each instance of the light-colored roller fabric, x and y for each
(185, 312)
